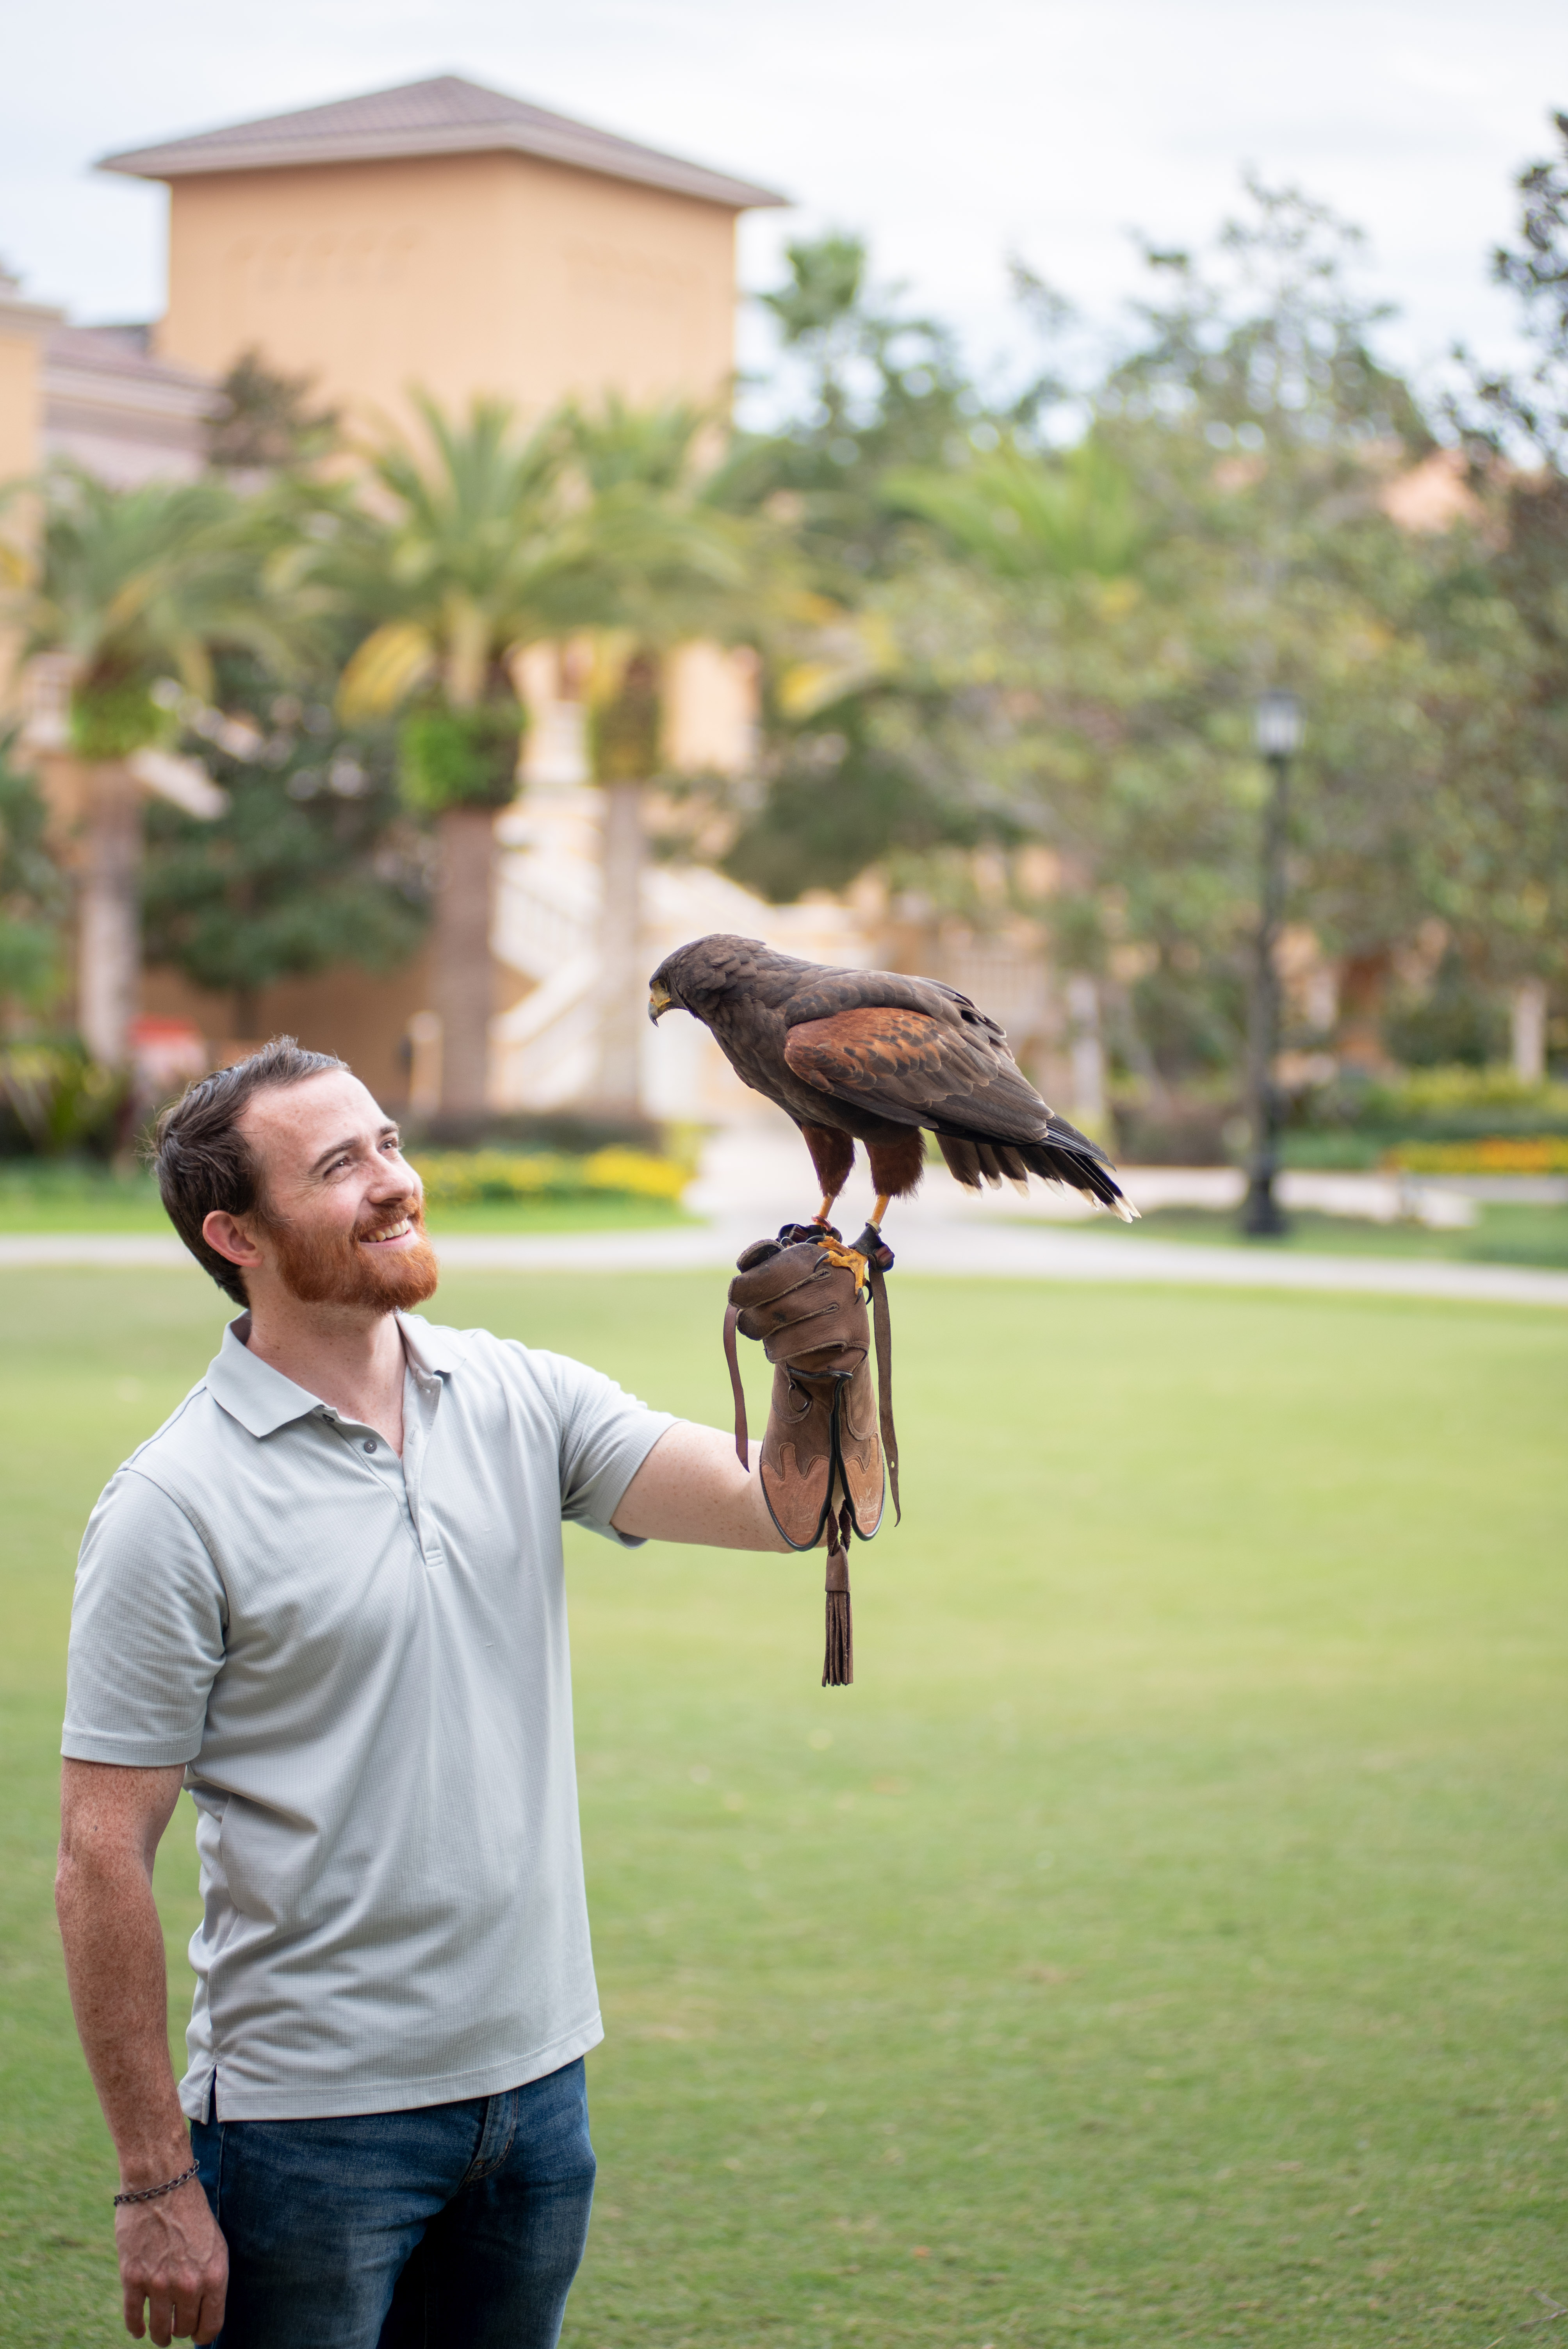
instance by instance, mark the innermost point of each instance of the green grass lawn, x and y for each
(1164, 1942)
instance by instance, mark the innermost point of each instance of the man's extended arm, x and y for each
(811, 1315)
(171, 2255)
(692, 1488)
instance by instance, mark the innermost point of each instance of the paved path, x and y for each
(929, 1244)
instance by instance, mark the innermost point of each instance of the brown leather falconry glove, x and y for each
(822, 1446)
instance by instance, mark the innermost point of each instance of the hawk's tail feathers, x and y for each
(1060, 1162)
(1067, 1157)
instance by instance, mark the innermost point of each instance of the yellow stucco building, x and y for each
(451, 237)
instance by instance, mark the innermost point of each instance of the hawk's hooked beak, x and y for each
(659, 1001)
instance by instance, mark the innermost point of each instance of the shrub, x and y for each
(112, 718)
(1499, 1154)
(459, 758)
(60, 1099)
(463, 1178)
(1425, 1090)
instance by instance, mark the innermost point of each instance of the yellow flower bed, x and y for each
(1499, 1155)
(462, 1178)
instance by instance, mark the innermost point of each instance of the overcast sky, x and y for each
(951, 132)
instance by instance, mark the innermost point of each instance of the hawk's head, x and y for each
(697, 978)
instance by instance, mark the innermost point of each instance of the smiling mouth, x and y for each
(397, 1231)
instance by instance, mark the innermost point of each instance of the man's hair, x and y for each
(204, 1164)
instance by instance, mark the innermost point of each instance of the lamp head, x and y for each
(1277, 725)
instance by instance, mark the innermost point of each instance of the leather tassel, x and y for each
(838, 1662)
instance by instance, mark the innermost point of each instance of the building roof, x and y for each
(121, 413)
(118, 355)
(446, 115)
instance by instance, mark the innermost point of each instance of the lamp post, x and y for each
(1278, 737)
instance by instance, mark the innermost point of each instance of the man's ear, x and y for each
(226, 1233)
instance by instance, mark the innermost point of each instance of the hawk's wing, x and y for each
(958, 1077)
(826, 992)
(916, 1069)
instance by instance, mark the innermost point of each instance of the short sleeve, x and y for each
(147, 1631)
(605, 1436)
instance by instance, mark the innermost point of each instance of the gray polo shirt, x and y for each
(363, 1664)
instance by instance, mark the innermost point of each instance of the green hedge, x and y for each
(462, 1178)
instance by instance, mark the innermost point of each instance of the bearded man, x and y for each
(327, 1597)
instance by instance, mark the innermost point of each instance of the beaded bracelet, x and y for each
(151, 2193)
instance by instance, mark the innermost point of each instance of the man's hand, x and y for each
(812, 1322)
(806, 1309)
(173, 2261)
(822, 1446)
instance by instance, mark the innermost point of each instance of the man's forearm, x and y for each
(692, 1488)
(118, 1973)
(174, 2262)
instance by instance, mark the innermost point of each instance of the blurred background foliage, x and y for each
(1011, 643)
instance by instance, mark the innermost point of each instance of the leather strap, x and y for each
(838, 1646)
(882, 1325)
(731, 1355)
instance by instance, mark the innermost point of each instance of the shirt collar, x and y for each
(429, 1347)
(263, 1399)
(249, 1390)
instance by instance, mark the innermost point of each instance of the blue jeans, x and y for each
(453, 2227)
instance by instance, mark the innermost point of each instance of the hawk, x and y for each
(876, 1057)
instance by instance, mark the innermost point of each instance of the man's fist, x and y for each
(822, 1446)
(806, 1310)
(174, 2265)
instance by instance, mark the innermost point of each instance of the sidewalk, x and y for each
(755, 1176)
(928, 1243)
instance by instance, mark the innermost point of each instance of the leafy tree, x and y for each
(882, 390)
(131, 585)
(33, 895)
(841, 798)
(1505, 409)
(312, 865)
(1071, 657)
(1506, 876)
(265, 423)
(881, 387)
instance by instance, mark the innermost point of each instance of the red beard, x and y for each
(337, 1268)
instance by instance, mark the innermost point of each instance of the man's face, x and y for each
(344, 1216)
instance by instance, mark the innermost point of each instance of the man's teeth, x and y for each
(393, 1232)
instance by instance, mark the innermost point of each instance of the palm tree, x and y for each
(474, 548)
(653, 563)
(455, 552)
(133, 588)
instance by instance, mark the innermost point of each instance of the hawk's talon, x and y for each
(850, 1259)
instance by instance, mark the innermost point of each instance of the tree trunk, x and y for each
(1085, 1055)
(1527, 1026)
(108, 914)
(622, 982)
(461, 990)
(1363, 984)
